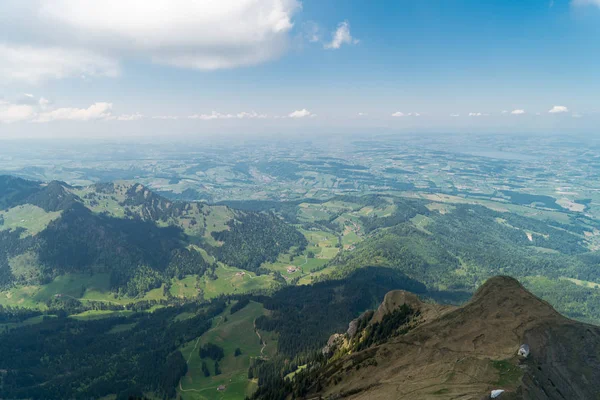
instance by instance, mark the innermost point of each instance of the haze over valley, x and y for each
(299, 200)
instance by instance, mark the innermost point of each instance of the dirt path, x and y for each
(305, 261)
(264, 343)
(187, 362)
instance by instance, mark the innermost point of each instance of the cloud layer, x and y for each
(28, 108)
(10, 113)
(207, 35)
(217, 115)
(93, 112)
(34, 64)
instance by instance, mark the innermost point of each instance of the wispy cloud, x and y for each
(401, 114)
(517, 112)
(218, 115)
(10, 113)
(586, 3)
(96, 111)
(341, 36)
(312, 31)
(32, 65)
(130, 117)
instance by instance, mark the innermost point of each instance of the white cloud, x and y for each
(217, 115)
(43, 103)
(504, 112)
(341, 36)
(130, 117)
(301, 114)
(361, 114)
(558, 110)
(28, 95)
(399, 114)
(517, 112)
(312, 31)
(15, 112)
(34, 64)
(94, 112)
(251, 115)
(475, 114)
(455, 115)
(213, 115)
(41, 111)
(206, 35)
(586, 3)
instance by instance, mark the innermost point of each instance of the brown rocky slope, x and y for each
(467, 352)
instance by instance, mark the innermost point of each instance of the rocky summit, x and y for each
(471, 352)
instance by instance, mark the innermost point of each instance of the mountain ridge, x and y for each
(469, 351)
(140, 238)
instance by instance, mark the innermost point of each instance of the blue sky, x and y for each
(133, 67)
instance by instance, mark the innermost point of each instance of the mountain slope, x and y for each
(139, 238)
(467, 352)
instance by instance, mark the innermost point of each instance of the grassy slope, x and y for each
(237, 331)
(29, 217)
(233, 280)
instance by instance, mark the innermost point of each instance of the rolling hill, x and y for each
(140, 239)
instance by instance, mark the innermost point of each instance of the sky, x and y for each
(117, 68)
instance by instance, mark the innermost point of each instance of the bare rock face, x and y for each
(353, 325)
(396, 298)
(352, 328)
(332, 344)
(469, 351)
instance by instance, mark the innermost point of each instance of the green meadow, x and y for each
(230, 331)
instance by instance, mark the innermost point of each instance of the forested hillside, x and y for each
(137, 237)
(62, 355)
(119, 265)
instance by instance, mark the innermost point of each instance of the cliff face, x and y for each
(467, 352)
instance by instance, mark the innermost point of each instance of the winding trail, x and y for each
(264, 343)
(305, 261)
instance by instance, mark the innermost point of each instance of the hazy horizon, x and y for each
(289, 67)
